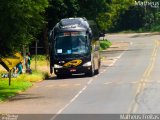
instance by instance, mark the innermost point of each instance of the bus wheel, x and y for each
(97, 71)
(91, 72)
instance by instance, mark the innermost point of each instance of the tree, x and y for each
(60, 9)
(144, 16)
(105, 12)
(108, 20)
(20, 22)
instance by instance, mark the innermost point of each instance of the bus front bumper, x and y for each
(67, 71)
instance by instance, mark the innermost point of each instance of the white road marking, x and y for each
(115, 60)
(96, 76)
(89, 82)
(107, 83)
(72, 100)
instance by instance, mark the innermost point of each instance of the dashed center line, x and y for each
(107, 83)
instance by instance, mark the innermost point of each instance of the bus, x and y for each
(74, 49)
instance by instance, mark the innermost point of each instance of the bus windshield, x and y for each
(71, 43)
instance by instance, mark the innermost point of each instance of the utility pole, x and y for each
(36, 44)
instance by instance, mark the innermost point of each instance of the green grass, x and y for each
(19, 84)
(39, 57)
(35, 77)
(104, 44)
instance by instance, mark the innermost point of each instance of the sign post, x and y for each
(9, 75)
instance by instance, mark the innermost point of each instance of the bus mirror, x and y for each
(90, 36)
(49, 35)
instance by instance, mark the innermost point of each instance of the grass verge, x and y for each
(19, 84)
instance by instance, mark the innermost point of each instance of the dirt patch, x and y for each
(116, 48)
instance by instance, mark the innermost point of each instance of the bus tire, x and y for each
(96, 71)
(91, 72)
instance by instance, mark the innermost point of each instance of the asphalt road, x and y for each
(128, 82)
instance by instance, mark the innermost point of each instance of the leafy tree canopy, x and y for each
(20, 22)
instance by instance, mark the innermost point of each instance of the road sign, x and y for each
(11, 61)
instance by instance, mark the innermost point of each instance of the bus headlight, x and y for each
(57, 66)
(87, 64)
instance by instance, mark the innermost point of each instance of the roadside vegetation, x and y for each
(23, 81)
(18, 84)
(104, 44)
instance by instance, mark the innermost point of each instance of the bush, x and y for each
(104, 44)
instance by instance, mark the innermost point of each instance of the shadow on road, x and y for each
(67, 77)
(25, 96)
